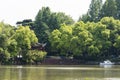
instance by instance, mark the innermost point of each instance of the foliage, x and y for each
(34, 56)
(84, 18)
(25, 37)
(46, 21)
(118, 9)
(97, 40)
(15, 41)
(41, 24)
(95, 35)
(6, 32)
(93, 11)
(97, 10)
(109, 9)
(60, 39)
(26, 22)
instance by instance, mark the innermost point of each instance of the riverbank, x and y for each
(57, 60)
(66, 61)
(69, 61)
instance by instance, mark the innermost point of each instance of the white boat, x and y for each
(107, 62)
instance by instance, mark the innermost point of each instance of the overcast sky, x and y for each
(12, 11)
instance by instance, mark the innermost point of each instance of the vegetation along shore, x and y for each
(93, 38)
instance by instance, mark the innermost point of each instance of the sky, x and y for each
(12, 11)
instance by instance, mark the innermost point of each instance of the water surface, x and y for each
(61, 72)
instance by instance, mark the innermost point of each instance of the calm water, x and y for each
(95, 72)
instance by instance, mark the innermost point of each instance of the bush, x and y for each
(35, 56)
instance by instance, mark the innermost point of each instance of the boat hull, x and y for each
(106, 63)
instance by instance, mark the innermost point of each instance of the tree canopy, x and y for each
(97, 10)
(96, 40)
(93, 11)
(17, 42)
(46, 21)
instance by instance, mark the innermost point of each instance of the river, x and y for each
(60, 72)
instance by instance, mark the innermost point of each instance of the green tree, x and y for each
(109, 9)
(25, 38)
(6, 32)
(88, 40)
(84, 18)
(35, 56)
(18, 41)
(118, 9)
(113, 26)
(41, 24)
(59, 18)
(60, 40)
(101, 39)
(46, 21)
(94, 10)
(81, 40)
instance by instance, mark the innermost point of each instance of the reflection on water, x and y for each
(59, 73)
(107, 66)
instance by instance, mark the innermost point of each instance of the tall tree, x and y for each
(25, 38)
(7, 43)
(41, 24)
(46, 21)
(118, 8)
(84, 18)
(59, 18)
(94, 10)
(109, 9)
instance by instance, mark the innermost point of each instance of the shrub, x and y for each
(34, 56)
